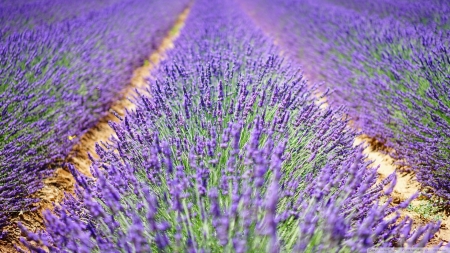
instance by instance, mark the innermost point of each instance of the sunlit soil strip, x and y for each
(421, 209)
(55, 187)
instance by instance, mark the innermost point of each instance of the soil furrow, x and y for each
(421, 209)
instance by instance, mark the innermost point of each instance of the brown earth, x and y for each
(62, 181)
(406, 186)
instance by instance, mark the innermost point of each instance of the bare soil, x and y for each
(62, 181)
(406, 186)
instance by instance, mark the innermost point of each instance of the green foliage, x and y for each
(427, 210)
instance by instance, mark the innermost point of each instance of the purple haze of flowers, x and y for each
(387, 62)
(62, 63)
(230, 153)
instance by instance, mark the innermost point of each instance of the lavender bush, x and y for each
(431, 13)
(60, 70)
(21, 15)
(387, 62)
(229, 154)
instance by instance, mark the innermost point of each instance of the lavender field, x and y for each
(243, 136)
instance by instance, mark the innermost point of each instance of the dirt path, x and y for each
(62, 181)
(421, 209)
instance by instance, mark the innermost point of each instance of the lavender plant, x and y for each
(229, 154)
(18, 16)
(388, 63)
(59, 73)
(432, 13)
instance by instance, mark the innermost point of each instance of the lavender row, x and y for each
(230, 153)
(59, 78)
(432, 13)
(18, 16)
(390, 68)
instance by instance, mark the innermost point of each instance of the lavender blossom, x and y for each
(264, 192)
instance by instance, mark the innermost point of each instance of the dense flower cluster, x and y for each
(20, 15)
(231, 153)
(433, 12)
(62, 63)
(388, 62)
